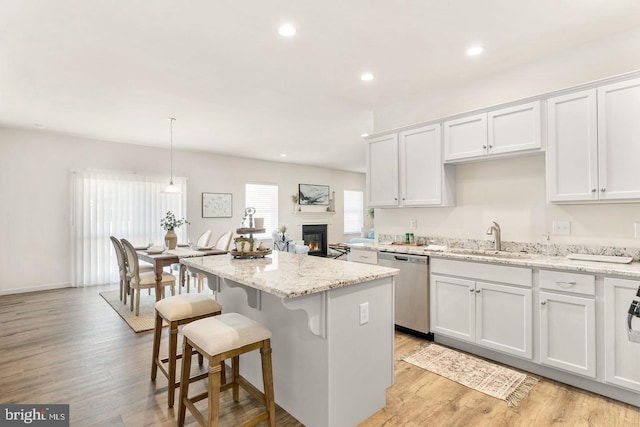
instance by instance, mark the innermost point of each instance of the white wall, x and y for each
(512, 191)
(35, 192)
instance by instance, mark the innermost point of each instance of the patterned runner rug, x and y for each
(473, 372)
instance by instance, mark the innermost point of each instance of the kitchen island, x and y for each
(332, 325)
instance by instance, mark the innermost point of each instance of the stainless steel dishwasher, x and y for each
(411, 290)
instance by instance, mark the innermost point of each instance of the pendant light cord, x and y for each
(171, 120)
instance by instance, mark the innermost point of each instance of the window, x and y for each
(353, 212)
(117, 204)
(263, 197)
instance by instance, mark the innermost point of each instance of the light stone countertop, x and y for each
(289, 275)
(516, 259)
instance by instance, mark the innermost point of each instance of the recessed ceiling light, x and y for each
(475, 50)
(287, 30)
(366, 77)
(364, 135)
(283, 154)
(39, 125)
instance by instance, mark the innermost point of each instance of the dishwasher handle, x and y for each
(392, 256)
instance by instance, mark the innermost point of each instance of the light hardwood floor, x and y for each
(69, 346)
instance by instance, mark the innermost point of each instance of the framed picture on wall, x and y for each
(310, 194)
(217, 205)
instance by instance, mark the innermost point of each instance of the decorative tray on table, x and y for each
(251, 254)
(246, 230)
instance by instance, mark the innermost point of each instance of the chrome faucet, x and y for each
(495, 230)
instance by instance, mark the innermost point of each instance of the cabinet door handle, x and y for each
(484, 147)
(593, 190)
(564, 284)
(471, 290)
(543, 303)
(477, 291)
(490, 146)
(603, 189)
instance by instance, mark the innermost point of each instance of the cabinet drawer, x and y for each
(584, 284)
(519, 276)
(366, 257)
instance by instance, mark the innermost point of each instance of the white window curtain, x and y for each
(353, 212)
(263, 197)
(117, 204)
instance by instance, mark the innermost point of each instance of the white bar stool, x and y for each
(176, 311)
(218, 338)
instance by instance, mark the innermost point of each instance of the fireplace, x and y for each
(315, 236)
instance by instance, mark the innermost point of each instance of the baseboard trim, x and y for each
(46, 287)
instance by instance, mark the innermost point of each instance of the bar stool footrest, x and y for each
(251, 389)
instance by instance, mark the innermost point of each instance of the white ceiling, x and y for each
(117, 69)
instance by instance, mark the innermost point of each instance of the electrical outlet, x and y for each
(636, 230)
(364, 313)
(413, 223)
(561, 228)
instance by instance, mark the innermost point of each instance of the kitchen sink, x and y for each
(490, 253)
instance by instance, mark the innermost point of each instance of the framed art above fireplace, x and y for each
(310, 194)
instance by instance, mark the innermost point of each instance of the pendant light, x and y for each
(171, 188)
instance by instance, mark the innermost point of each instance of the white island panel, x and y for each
(329, 370)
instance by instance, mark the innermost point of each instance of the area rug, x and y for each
(145, 321)
(473, 372)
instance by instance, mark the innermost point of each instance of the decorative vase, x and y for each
(244, 246)
(171, 239)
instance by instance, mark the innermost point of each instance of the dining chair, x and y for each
(122, 268)
(139, 280)
(223, 243)
(203, 242)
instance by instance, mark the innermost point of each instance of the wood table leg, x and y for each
(158, 267)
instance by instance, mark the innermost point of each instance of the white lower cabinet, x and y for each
(567, 310)
(568, 333)
(493, 315)
(453, 307)
(503, 318)
(621, 356)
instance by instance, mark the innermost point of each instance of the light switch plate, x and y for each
(561, 228)
(364, 313)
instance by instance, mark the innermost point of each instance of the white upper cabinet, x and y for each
(465, 138)
(499, 132)
(514, 129)
(619, 140)
(382, 171)
(406, 169)
(594, 144)
(572, 151)
(421, 171)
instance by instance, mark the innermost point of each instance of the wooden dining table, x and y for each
(172, 256)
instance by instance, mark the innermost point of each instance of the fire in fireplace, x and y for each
(315, 236)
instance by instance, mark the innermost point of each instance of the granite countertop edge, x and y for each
(300, 284)
(631, 270)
